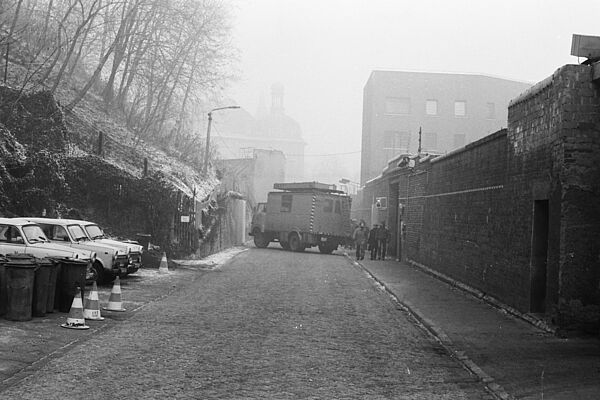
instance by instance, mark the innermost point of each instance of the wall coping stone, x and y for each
(472, 145)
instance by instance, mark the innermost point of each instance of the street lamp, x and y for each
(205, 169)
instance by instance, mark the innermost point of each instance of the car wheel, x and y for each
(98, 274)
(295, 243)
(260, 240)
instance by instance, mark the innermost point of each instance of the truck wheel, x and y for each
(260, 239)
(285, 245)
(295, 243)
(326, 248)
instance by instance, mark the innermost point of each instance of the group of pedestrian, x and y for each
(375, 240)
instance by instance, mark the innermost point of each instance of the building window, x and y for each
(286, 203)
(397, 105)
(328, 206)
(431, 107)
(429, 141)
(460, 108)
(395, 140)
(459, 140)
(491, 111)
(338, 207)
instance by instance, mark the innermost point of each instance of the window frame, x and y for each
(388, 110)
(434, 101)
(15, 229)
(429, 134)
(464, 102)
(287, 201)
(397, 137)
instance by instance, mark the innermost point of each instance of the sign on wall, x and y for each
(381, 203)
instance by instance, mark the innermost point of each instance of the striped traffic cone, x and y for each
(75, 320)
(114, 301)
(91, 311)
(164, 265)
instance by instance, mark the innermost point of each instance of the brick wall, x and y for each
(554, 135)
(477, 214)
(456, 212)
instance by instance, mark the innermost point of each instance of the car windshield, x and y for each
(94, 231)
(77, 232)
(34, 234)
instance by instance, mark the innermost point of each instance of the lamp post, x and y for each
(205, 169)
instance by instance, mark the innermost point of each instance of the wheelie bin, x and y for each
(144, 240)
(20, 277)
(3, 287)
(70, 280)
(50, 304)
(41, 286)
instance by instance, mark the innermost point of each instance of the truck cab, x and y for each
(300, 215)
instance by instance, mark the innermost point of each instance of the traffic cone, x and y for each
(91, 311)
(164, 265)
(75, 320)
(114, 301)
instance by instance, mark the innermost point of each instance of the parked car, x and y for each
(21, 236)
(110, 261)
(133, 249)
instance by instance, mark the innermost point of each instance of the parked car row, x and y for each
(84, 240)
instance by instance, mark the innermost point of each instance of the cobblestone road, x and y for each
(269, 324)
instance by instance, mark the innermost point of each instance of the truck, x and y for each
(300, 215)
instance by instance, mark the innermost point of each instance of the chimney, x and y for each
(277, 98)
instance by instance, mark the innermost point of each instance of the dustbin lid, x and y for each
(44, 262)
(69, 260)
(21, 261)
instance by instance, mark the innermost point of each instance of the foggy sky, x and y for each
(323, 51)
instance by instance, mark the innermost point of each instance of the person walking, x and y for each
(383, 236)
(360, 236)
(372, 241)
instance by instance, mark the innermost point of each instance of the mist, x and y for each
(323, 52)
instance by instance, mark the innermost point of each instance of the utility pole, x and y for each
(419, 150)
(207, 150)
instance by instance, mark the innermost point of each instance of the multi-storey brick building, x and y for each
(515, 214)
(450, 109)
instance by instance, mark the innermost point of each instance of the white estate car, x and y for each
(110, 261)
(18, 235)
(133, 249)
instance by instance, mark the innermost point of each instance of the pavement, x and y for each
(516, 357)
